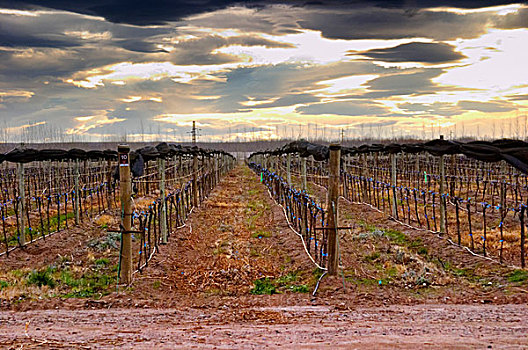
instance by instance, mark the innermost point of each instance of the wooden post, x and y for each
(217, 176)
(332, 200)
(109, 184)
(125, 185)
(161, 169)
(21, 204)
(288, 169)
(312, 166)
(195, 179)
(76, 189)
(394, 180)
(442, 190)
(303, 173)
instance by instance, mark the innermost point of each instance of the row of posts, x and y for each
(333, 194)
(126, 202)
(77, 191)
(126, 205)
(332, 197)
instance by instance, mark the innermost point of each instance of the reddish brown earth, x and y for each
(307, 327)
(196, 292)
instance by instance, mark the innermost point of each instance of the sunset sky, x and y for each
(99, 70)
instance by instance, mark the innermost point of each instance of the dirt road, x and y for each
(431, 326)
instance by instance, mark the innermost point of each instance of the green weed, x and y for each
(3, 284)
(101, 262)
(372, 257)
(261, 234)
(518, 276)
(41, 278)
(263, 286)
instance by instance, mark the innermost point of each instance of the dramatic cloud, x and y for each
(487, 107)
(416, 52)
(99, 69)
(157, 12)
(351, 108)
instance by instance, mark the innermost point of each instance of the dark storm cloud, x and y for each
(415, 52)
(67, 30)
(160, 11)
(407, 82)
(374, 23)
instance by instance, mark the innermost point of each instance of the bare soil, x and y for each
(398, 288)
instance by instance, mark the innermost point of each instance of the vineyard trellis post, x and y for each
(303, 173)
(126, 213)
(21, 204)
(161, 167)
(216, 170)
(442, 190)
(195, 180)
(76, 189)
(332, 200)
(394, 184)
(288, 169)
(108, 184)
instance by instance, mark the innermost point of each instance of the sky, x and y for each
(105, 70)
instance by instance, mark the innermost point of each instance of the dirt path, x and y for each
(237, 236)
(394, 327)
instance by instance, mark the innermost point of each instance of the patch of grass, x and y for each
(253, 192)
(18, 273)
(302, 288)
(396, 236)
(422, 251)
(156, 284)
(371, 257)
(317, 273)
(87, 286)
(348, 216)
(518, 276)
(362, 281)
(41, 278)
(392, 272)
(101, 262)
(3, 284)
(366, 225)
(263, 286)
(261, 234)
(283, 283)
(287, 278)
